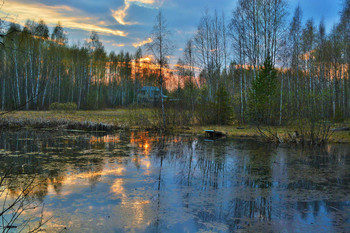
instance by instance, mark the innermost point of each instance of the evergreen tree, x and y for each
(263, 93)
(224, 110)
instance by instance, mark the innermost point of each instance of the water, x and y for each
(138, 182)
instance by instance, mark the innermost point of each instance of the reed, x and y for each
(42, 123)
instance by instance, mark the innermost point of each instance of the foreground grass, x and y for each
(118, 117)
(128, 119)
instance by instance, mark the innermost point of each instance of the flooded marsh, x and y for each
(140, 182)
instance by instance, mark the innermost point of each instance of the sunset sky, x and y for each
(126, 24)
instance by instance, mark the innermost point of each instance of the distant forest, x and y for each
(251, 66)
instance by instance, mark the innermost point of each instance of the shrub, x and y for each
(139, 117)
(302, 131)
(218, 112)
(54, 106)
(65, 107)
(205, 112)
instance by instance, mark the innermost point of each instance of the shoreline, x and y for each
(122, 119)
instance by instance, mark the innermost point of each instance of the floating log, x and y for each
(213, 134)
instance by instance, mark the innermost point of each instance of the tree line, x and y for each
(254, 66)
(268, 69)
(39, 68)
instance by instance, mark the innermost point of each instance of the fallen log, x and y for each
(341, 129)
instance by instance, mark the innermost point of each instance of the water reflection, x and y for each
(139, 182)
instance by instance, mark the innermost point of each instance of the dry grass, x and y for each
(231, 131)
(250, 131)
(117, 118)
(340, 137)
(144, 118)
(109, 116)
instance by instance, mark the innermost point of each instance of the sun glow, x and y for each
(146, 66)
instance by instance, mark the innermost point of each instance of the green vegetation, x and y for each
(263, 96)
(66, 107)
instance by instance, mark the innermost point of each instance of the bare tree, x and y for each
(161, 48)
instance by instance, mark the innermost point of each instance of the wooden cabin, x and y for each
(149, 94)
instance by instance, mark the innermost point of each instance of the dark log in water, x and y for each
(213, 134)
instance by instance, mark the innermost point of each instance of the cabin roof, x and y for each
(151, 88)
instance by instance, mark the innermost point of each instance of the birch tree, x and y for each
(161, 48)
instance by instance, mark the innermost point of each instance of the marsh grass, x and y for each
(137, 118)
(142, 118)
(82, 120)
(40, 123)
(284, 133)
(304, 132)
(101, 120)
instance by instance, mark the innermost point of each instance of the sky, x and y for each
(127, 24)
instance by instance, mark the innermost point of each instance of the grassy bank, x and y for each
(79, 120)
(117, 117)
(142, 118)
(247, 131)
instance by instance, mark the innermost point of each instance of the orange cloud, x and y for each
(144, 3)
(118, 45)
(120, 14)
(69, 17)
(141, 43)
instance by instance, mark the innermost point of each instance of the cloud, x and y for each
(102, 23)
(144, 3)
(120, 14)
(118, 45)
(69, 17)
(138, 44)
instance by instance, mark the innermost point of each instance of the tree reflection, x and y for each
(18, 207)
(263, 185)
(157, 183)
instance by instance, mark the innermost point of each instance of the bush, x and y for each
(205, 111)
(65, 107)
(218, 112)
(54, 106)
(139, 117)
(301, 131)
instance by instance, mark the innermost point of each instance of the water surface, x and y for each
(139, 182)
